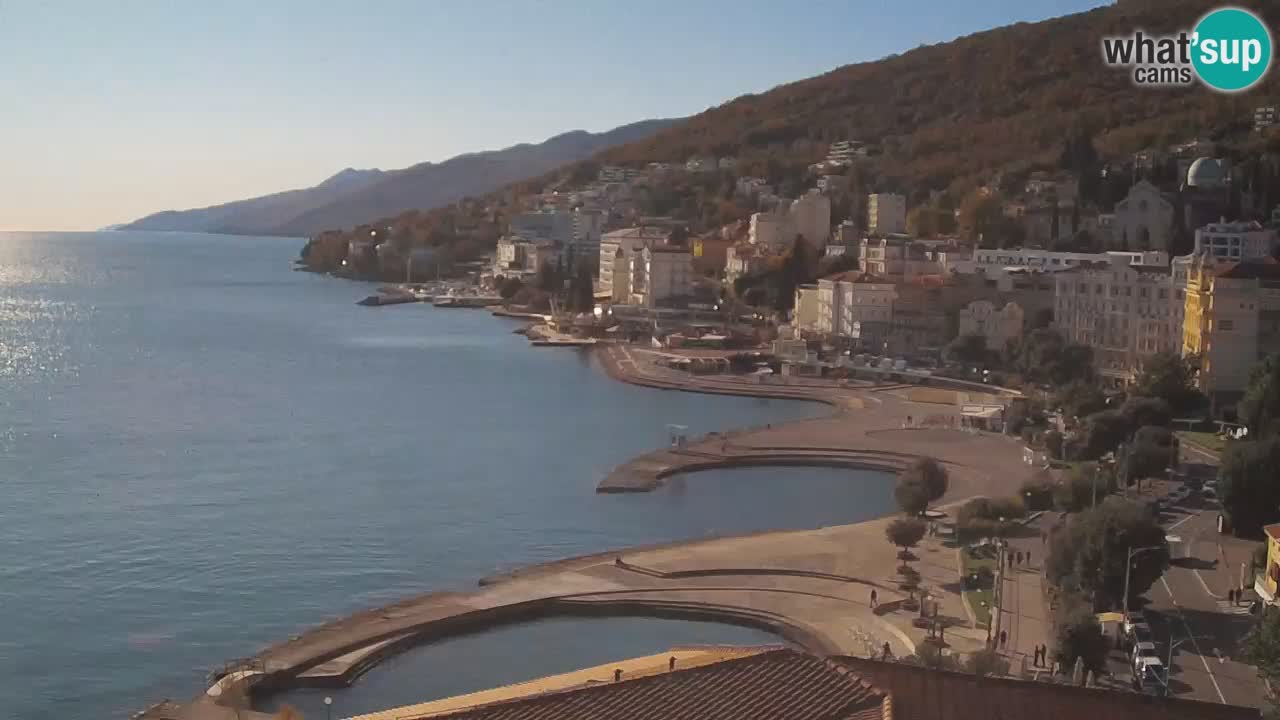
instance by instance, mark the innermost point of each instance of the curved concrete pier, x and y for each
(808, 586)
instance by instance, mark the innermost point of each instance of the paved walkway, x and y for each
(1024, 612)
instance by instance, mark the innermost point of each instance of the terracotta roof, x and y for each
(921, 694)
(779, 684)
(1272, 531)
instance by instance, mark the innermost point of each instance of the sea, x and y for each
(203, 451)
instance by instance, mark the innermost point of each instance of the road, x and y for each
(1190, 602)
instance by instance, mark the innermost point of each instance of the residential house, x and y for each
(660, 275)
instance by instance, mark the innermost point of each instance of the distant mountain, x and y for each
(357, 196)
(260, 215)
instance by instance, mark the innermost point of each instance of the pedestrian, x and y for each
(942, 633)
(1018, 556)
(1004, 638)
(886, 653)
(1039, 656)
(874, 600)
(1028, 557)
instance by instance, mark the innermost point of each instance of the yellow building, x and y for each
(1265, 584)
(1231, 320)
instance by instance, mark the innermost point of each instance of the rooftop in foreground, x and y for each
(779, 683)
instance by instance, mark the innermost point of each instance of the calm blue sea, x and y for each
(202, 452)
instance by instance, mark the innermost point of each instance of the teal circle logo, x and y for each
(1231, 49)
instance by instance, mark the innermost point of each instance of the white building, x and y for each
(622, 244)
(1048, 260)
(855, 307)
(997, 326)
(768, 230)
(1235, 242)
(659, 275)
(844, 152)
(1143, 220)
(810, 217)
(805, 315)
(518, 257)
(1126, 313)
(699, 164)
(886, 213)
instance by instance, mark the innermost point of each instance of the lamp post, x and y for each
(328, 707)
(1128, 563)
(1169, 665)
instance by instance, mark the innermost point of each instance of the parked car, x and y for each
(1143, 649)
(1149, 674)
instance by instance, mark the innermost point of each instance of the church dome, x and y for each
(1206, 173)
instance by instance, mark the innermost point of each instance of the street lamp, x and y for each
(328, 707)
(1128, 563)
(1169, 665)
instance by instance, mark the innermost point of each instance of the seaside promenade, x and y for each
(812, 587)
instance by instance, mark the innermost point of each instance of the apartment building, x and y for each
(886, 214)
(1125, 312)
(617, 247)
(1231, 321)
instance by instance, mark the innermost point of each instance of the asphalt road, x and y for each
(1189, 603)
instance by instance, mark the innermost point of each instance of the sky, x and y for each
(114, 110)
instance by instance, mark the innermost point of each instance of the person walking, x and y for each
(1004, 638)
(1028, 557)
(874, 600)
(885, 654)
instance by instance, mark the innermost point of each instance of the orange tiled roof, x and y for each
(780, 684)
(1272, 531)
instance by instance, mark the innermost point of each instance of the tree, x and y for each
(968, 349)
(1037, 492)
(930, 473)
(1079, 399)
(1246, 482)
(1082, 485)
(905, 532)
(509, 287)
(1103, 432)
(1169, 377)
(1053, 442)
(1077, 634)
(1139, 411)
(1260, 406)
(1089, 553)
(911, 494)
(1153, 449)
(1045, 357)
(986, 662)
(1262, 646)
(931, 656)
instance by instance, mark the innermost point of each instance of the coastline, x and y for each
(338, 652)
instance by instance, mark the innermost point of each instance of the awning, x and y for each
(984, 413)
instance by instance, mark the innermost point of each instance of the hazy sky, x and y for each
(113, 110)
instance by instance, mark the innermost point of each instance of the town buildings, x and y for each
(886, 214)
(657, 275)
(808, 216)
(855, 309)
(1235, 242)
(516, 257)
(1125, 312)
(998, 326)
(1051, 261)
(1232, 321)
(617, 248)
(903, 257)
